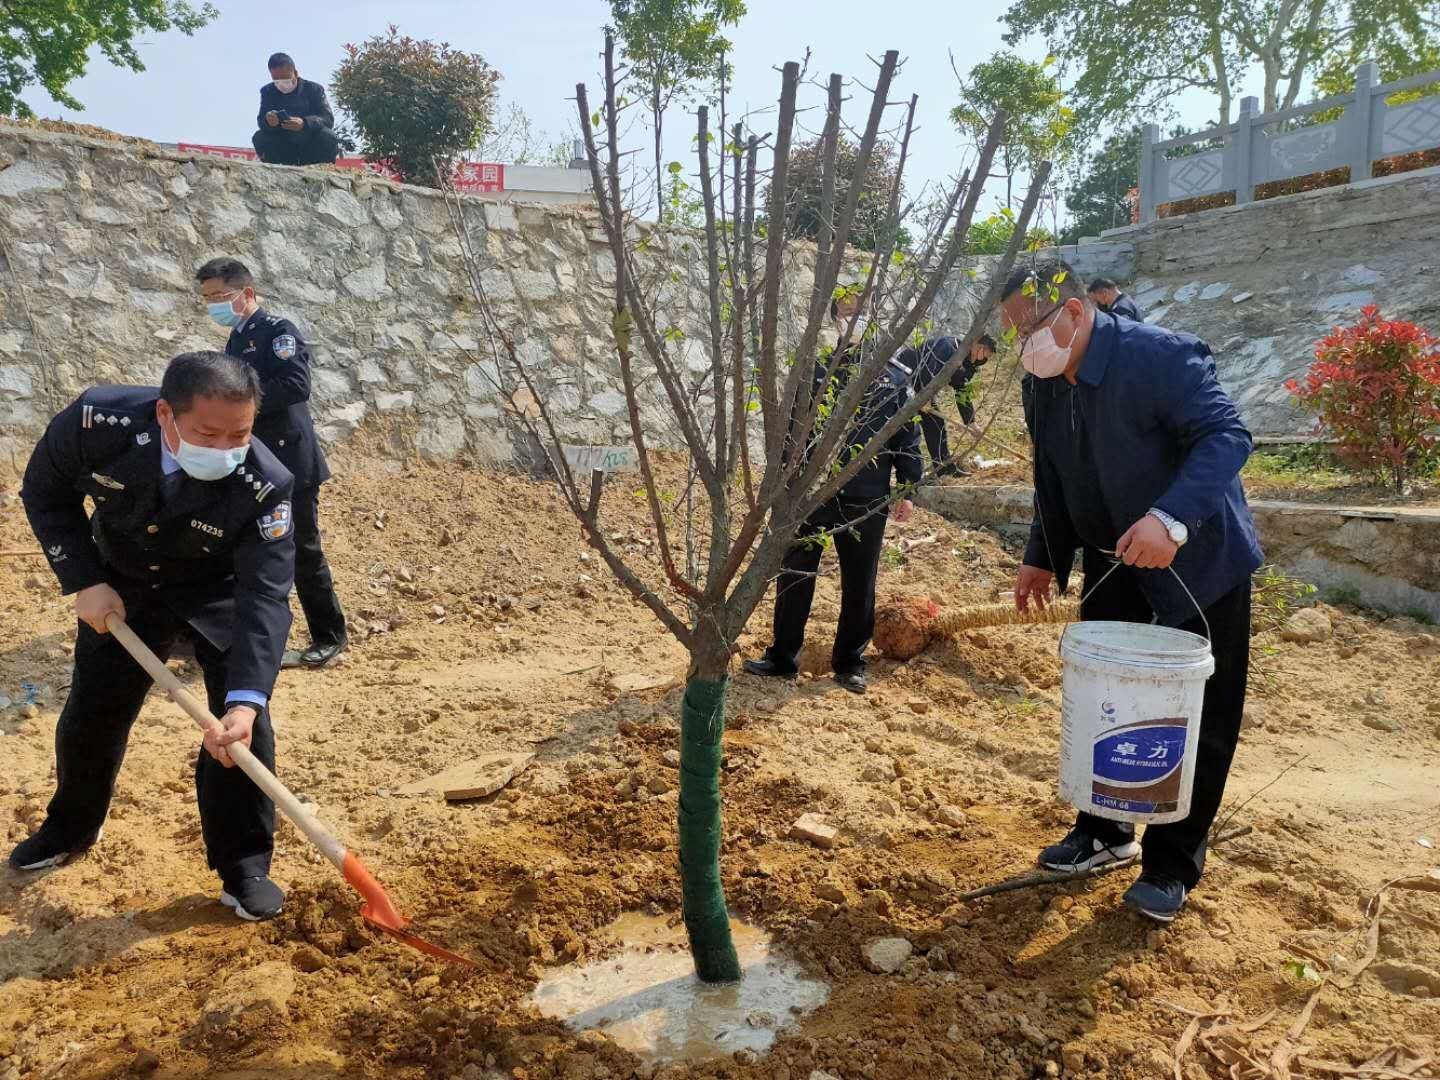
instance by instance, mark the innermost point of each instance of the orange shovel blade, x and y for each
(379, 911)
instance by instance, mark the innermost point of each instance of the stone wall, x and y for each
(101, 240)
(1263, 282)
(1385, 558)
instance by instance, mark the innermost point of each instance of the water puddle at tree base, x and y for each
(647, 999)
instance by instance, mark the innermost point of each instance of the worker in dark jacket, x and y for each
(191, 534)
(274, 348)
(855, 519)
(1106, 296)
(926, 363)
(1138, 453)
(295, 125)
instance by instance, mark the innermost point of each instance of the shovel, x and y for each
(377, 908)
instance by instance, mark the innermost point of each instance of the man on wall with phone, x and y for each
(191, 534)
(296, 126)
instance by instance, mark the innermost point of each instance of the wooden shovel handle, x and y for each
(264, 779)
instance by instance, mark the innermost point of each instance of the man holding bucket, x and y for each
(1138, 453)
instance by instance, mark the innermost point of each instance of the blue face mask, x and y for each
(208, 462)
(224, 314)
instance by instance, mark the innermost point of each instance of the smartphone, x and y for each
(282, 115)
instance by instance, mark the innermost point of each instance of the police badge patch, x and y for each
(277, 524)
(284, 346)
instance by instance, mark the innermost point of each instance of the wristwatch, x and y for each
(1177, 530)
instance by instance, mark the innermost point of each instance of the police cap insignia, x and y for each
(277, 524)
(284, 346)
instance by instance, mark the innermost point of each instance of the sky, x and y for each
(205, 88)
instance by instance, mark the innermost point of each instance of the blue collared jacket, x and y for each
(1164, 435)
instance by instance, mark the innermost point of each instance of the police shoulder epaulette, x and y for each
(255, 482)
(99, 417)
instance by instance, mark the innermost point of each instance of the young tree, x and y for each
(1040, 123)
(872, 211)
(991, 236)
(48, 42)
(1138, 58)
(763, 445)
(415, 105)
(672, 45)
(512, 137)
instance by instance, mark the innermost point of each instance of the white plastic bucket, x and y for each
(1130, 719)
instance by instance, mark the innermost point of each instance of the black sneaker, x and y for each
(253, 898)
(45, 849)
(1156, 896)
(1081, 851)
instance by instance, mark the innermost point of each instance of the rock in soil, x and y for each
(885, 956)
(1307, 625)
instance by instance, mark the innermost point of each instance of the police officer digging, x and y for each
(855, 518)
(926, 363)
(191, 534)
(273, 347)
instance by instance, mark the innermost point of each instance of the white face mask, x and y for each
(1043, 356)
(207, 462)
(286, 86)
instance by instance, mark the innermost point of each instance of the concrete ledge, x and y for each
(1387, 558)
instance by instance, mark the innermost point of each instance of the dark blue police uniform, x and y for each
(211, 559)
(925, 364)
(856, 519)
(274, 348)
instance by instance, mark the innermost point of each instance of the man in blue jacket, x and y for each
(1138, 452)
(295, 125)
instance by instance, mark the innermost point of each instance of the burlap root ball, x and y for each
(902, 626)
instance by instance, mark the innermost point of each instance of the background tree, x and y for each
(759, 390)
(675, 48)
(1039, 125)
(48, 42)
(1139, 58)
(511, 136)
(415, 104)
(804, 202)
(991, 236)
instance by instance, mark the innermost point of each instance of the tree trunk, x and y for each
(659, 115)
(702, 726)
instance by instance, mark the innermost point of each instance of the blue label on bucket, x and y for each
(1140, 755)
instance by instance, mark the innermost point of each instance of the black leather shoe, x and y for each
(854, 681)
(253, 898)
(46, 849)
(321, 656)
(769, 669)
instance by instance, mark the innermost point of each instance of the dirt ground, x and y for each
(483, 625)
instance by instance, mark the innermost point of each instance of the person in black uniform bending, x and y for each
(191, 534)
(855, 518)
(1106, 295)
(925, 364)
(295, 125)
(274, 348)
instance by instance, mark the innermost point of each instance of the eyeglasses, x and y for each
(1024, 335)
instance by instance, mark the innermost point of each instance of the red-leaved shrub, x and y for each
(1375, 387)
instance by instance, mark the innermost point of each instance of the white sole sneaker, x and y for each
(1114, 853)
(230, 902)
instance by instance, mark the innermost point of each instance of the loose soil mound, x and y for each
(483, 625)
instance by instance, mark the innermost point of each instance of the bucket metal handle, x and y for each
(1115, 564)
